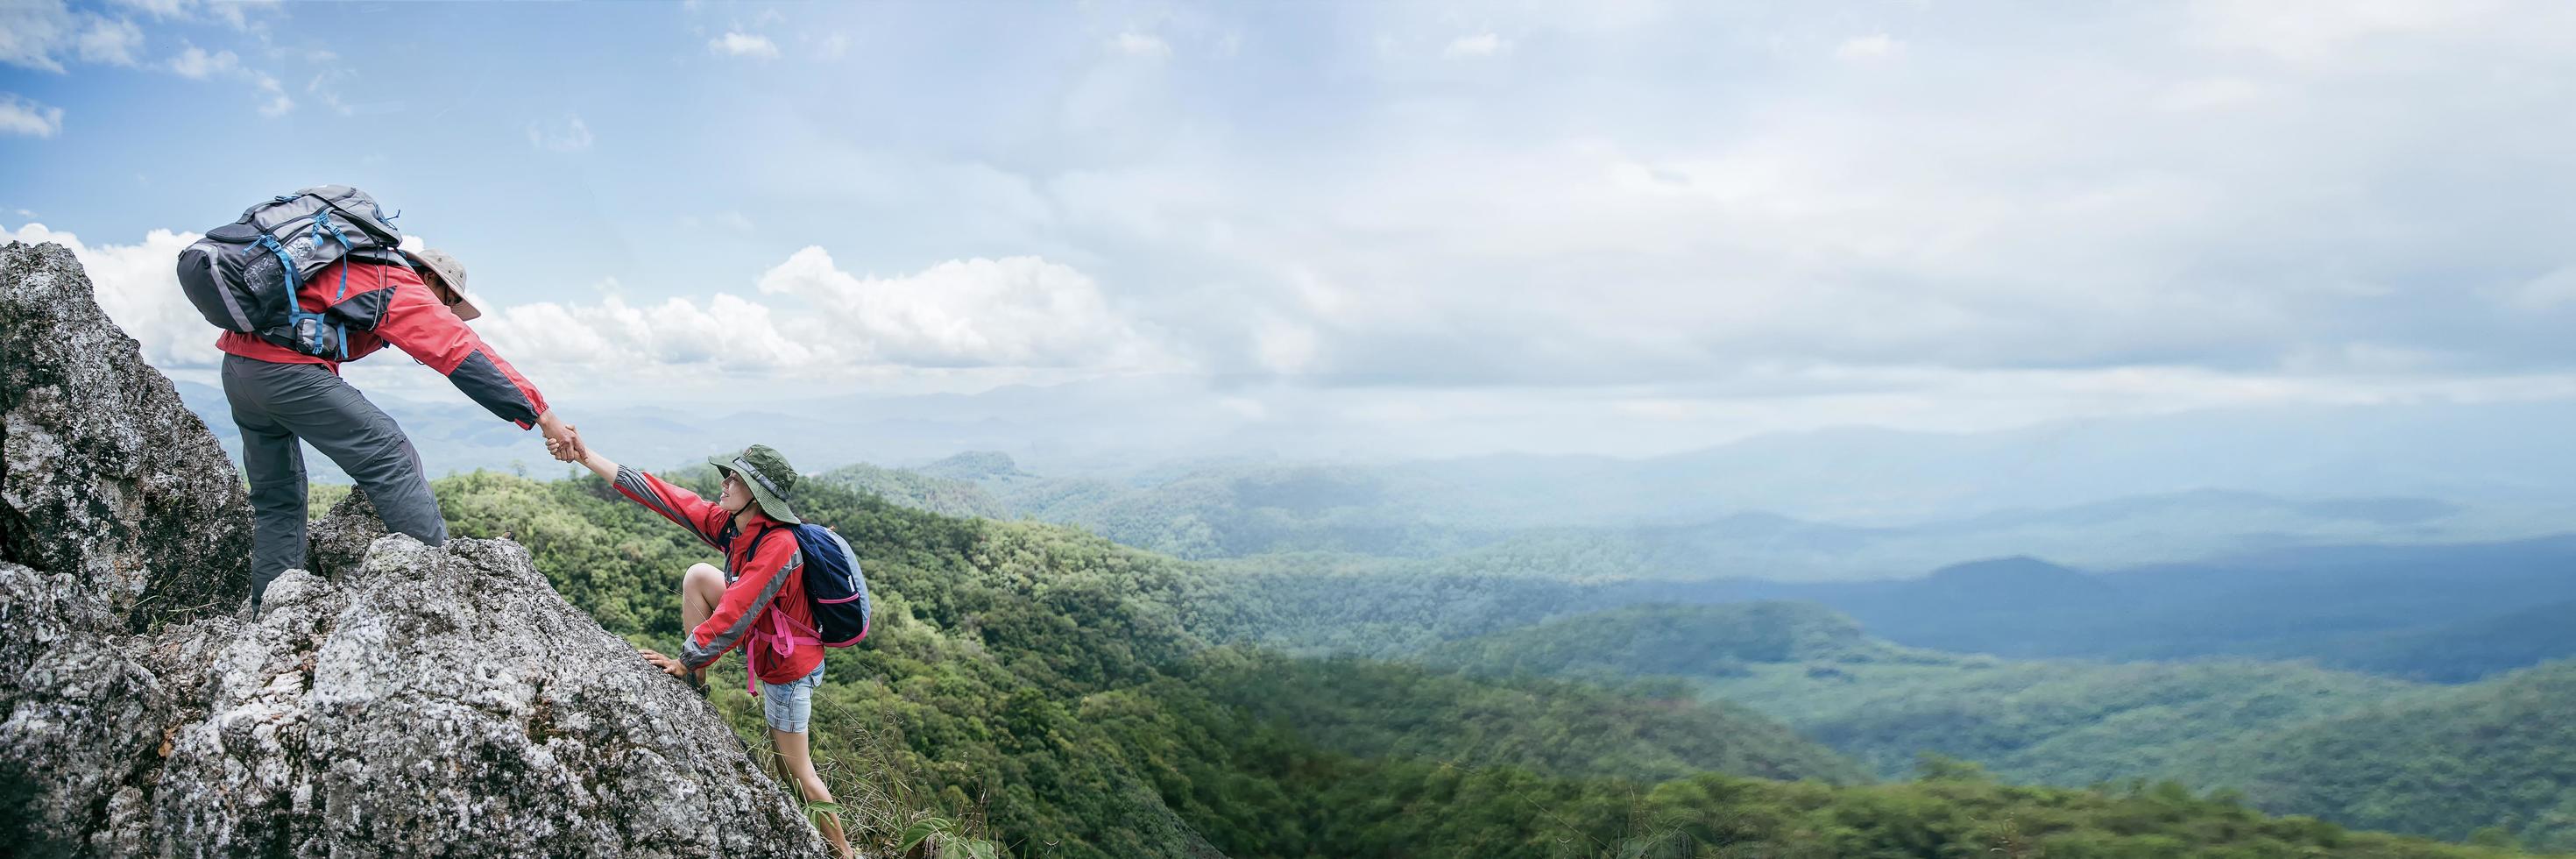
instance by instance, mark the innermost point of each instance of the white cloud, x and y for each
(1145, 45)
(2317, 31)
(237, 12)
(2086, 189)
(744, 45)
(30, 33)
(138, 286)
(727, 332)
(233, 13)
(326, 86)
(1875, 46)
(2546, 292)
(277, 104)
(1283, 347)
(44, 34)
(114, 42)
(1478, 45)
(1016, 311)
(2212, 94)
(815, 321)
(162, 9)
(20, 115)
(570, 135)
(833, 46)
(197, 64)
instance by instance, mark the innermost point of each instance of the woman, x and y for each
(749, 522)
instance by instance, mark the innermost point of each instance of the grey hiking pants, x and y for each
(278, 404)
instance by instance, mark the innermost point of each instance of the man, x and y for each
(281, 397)
(741, 605)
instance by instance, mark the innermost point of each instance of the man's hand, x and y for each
(561, 441)
(568, 447)
(668, 665)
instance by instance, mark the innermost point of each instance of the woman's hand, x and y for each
(569, 447)
(668, 665)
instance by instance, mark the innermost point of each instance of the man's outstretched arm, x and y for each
(402, 310)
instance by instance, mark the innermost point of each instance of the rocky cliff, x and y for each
(107, 477)
(414, 701)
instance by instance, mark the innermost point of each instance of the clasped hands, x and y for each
(562, 441)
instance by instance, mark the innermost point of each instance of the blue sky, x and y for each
(1623, 227)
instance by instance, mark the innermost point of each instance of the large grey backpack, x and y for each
(243, 275)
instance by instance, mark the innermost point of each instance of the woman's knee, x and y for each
(702, 576)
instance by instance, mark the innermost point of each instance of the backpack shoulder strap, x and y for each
(763, 534)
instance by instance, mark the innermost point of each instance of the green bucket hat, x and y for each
(766, 472)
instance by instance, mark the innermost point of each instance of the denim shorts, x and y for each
(788, 705)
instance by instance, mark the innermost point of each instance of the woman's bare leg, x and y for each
(700, 589)
(798, 761)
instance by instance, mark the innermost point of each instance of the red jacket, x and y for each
(764, 598)
(390, 304)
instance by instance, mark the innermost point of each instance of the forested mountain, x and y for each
(1376, 709)
(2063, 722)
(1702, 641)
(1059, 695)
(2365, 751)
(2446, 762)
(920, 491)
(2441, 612)
(2462, 650)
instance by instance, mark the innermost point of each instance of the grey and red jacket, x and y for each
(764, 602)
(389, 304)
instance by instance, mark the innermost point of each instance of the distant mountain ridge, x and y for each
(1239, 508)
(2410, 611)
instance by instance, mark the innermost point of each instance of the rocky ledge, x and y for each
(418, 701)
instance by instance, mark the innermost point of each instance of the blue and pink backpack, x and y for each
(833, 585)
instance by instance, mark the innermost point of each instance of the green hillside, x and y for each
(1001, 648)
(2446, 762)
(2066, 723)
(1060, 695)
(906, 488)
(1376, 709)
(1685, 641)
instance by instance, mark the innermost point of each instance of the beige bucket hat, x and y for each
(450, 280)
